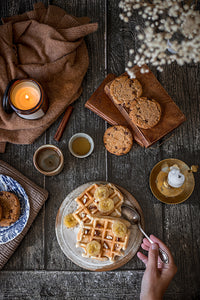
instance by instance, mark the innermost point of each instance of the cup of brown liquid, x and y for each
(81, 145)
(48, 160)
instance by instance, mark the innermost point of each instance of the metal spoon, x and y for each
(133, 217)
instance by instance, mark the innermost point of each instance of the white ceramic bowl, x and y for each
(84, 135)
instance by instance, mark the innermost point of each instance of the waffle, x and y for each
(100, 230)
(87, 205)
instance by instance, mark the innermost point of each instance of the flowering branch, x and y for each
(169, 24)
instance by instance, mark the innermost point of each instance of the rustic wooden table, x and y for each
(39, 269)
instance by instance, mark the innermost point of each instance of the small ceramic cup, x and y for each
(81, 135)
(48, 160)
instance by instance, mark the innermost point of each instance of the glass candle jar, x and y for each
(26, 97)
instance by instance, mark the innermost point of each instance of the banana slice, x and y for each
(101, 193)
(70, 221)
(93, 248)
(105, 206)
(119, 229)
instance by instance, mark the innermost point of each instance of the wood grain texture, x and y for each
(39, 269)
(30, 254)
(181, 222)
(81, 120)
(53, 285)
(134, 167)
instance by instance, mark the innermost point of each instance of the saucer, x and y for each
(188, 186)
(8, 233)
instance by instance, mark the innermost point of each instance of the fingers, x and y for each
(146, 242)
(171, 267)
(142, 257)
(163, 247)
(145, 247)
(160, 265)
(153, 257)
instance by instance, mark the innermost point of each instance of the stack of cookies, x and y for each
(143, 112)
(103, 234)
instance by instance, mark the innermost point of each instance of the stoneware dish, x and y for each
(48, 160)
(67, 236)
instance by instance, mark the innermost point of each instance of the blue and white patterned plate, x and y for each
(8, 233)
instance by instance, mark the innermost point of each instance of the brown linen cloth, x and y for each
(37, 196)
(47, 45)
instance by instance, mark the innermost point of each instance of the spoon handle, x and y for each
(163, 255)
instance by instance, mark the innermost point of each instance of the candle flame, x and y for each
(26, 97)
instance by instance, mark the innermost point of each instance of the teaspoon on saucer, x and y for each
(133, 217)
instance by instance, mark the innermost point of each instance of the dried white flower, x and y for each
(140, 37)
(167, 19)
(129, 64)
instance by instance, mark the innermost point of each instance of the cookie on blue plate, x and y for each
(10, 205)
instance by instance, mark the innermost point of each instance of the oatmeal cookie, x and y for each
(145, 112)
(118, 140)
(124, 90)
(10, 208)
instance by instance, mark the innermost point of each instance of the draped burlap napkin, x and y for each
(37, 196)
(47, 45)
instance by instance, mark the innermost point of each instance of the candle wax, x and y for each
(25, 95)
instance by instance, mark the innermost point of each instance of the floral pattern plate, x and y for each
(8, 233)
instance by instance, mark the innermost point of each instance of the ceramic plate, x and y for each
(67, 237)
(8, 233)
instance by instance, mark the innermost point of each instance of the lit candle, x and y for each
(27, 99)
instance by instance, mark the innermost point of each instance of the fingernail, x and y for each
(154, 246)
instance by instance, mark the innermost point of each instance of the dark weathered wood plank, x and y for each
(181, 222)
(78, 285)
(77, 171)
(39, 250)
(131, 170)
(70, 285)
(30, 254)
(12, 7)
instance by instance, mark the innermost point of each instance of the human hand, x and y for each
(157, 275)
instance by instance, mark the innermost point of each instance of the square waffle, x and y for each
(87, 204)
(100, 230)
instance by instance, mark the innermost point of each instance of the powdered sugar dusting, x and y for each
(67, 237)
